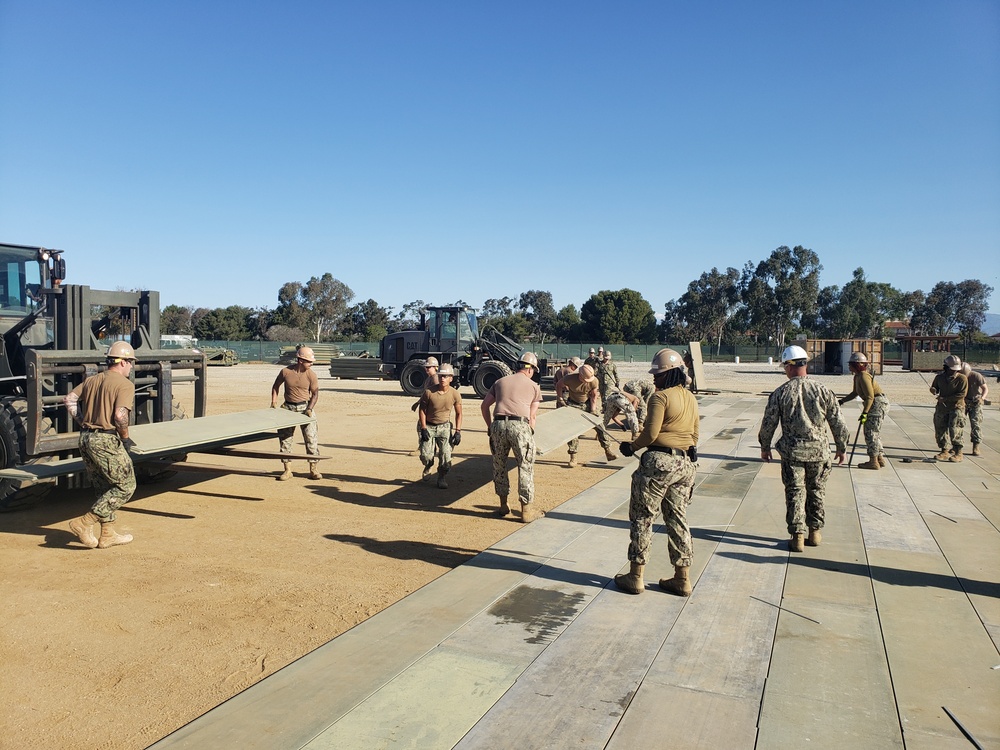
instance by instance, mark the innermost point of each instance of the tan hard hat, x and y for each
(304, 352)
(431, 362)
(966, 369)
(665, 359)
(952, 362)
(575, 361)
(586, 373)
(529, 358)
(121, 350)
(859, 358)
(447, 369)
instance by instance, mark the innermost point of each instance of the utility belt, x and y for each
(663, 449)
(510, 418)
(436, 424)
(99, 430)
(296, 404)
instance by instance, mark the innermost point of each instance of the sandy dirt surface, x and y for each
(231, 577)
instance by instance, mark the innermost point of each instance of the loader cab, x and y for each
(451, 329)
(25, 274)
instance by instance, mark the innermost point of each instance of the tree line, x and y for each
(768, 303)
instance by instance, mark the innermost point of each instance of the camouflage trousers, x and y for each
(574, 445)
(949, 427)
(974, 411)
(511, 435)
(110, 470)
(439, 445)
(873, 426)
(805, 492)
(617, 404)
(309, 434)
(662, 482)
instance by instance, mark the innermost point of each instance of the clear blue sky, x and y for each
(469, 150)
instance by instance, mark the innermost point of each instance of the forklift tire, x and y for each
(487, 374)
(412, 378)
(16, 494)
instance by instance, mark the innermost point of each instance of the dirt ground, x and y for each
(231, 577)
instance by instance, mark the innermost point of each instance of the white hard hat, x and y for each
(953, 362)
(794, 355)
(529, 358)
(431, 362)
(446, 369)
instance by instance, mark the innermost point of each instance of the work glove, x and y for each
(425, 435)
(841, 401)
(693, 454)
(626, 449)
(456, 437)
(308, 412)
(129, 444)
(863, 418)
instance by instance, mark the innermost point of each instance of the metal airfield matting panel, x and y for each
(555, 428)
(166, 438)
(885, 636)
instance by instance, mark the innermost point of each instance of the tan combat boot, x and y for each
(881, 461)
(428, 470)
(871, 463)
(814, 539)
(286, 474)
(83, 527)
(572, 461)
(504, 508)
(110, 537)
(944, 455)
(680, 584)
(610, 454)
(956, 457)
(314, 471)
(631, 582)
(529, 514)
(975, 449)
(795, 544)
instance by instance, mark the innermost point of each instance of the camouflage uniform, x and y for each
(507, 435)
(110, 470)
(875, 405)
(607, 378)
(439, 444)
(309, 432)
(663, 482)
(949, 414)
(617, 403)
(974, 406)
(642, 390)
(804, 408)
(574, 445)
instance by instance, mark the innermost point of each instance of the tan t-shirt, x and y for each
(299, 386)
(672, 421)
(514, 395)
(437, 404)
(100, 396)
(579, 389)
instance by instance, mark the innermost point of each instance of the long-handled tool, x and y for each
(856, 435)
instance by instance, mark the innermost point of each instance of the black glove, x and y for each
(863, 418)
(626, 449)
(693, 454)
(456, 437)
(841, 401)
(424, 435)
(129, 444)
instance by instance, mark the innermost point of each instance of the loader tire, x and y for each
(487, 374)
(412, 377)
(16, 494)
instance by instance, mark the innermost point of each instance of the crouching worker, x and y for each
(436, 436)
(101, 405)
(665, 477)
